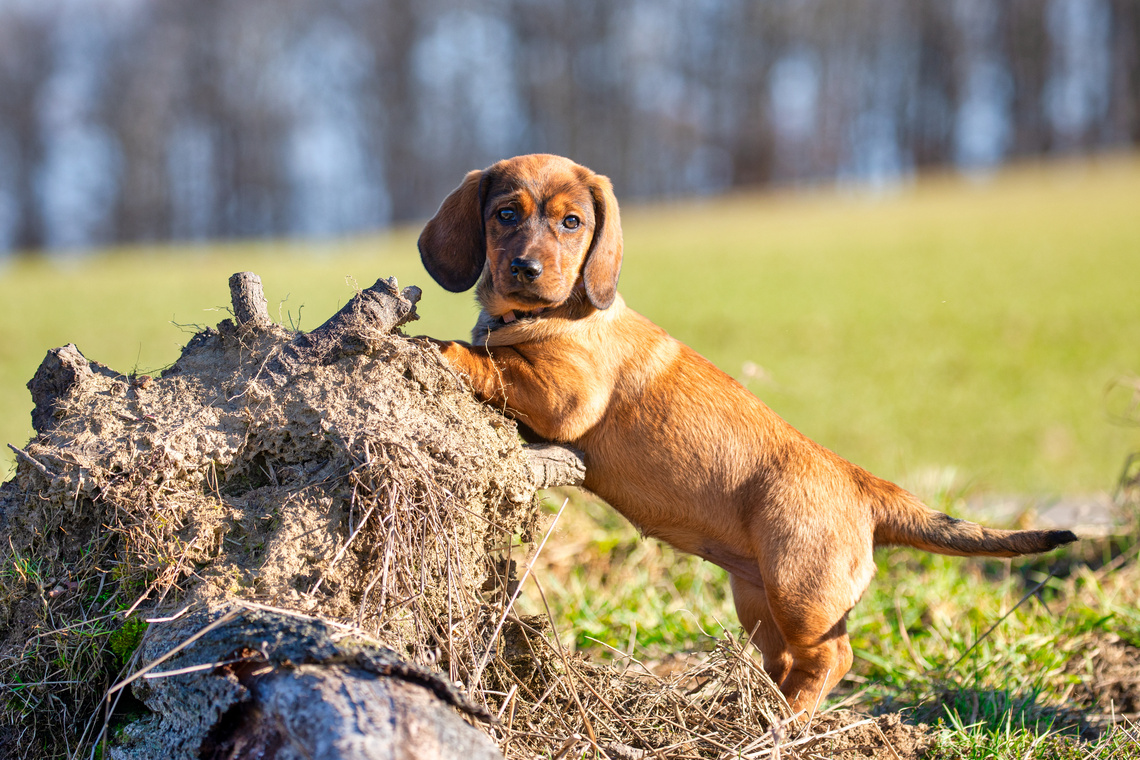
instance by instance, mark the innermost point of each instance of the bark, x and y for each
(372, 312)
(248, 298)
(552, 465)
(248, 682)
(330, 712)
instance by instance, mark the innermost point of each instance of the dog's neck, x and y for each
(576, 306)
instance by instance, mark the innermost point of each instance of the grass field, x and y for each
(1049, 681)
(970, 329)
(960, 336)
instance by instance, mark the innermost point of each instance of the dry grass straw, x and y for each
(550, 700)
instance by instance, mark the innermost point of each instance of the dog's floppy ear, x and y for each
(603, 260)
(452, 245)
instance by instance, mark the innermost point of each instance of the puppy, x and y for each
(678, 447)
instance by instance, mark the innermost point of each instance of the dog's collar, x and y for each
(512, 316)
(487, 324)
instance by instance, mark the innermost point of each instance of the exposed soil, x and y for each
(1109, 673)
(367, 488)
(844, 734)
(216, 474)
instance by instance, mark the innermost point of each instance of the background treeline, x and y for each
(133, 120)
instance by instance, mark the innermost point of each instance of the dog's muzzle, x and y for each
(526, 270)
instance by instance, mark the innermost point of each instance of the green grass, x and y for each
(966, 329)
(1027, 690)
(953, 326)
(607, 587)
(1031, 686)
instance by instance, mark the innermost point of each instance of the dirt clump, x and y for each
(217, 473)
(345, 475)
(367, 487)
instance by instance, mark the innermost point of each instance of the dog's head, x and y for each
(536, 228)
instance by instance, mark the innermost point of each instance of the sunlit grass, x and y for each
(954, 324)
(974, 326)
(609, 589)
(965, 328)
(1027, 689)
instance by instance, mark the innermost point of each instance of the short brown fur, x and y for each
(673, 443)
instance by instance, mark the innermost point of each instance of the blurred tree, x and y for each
(192, 119)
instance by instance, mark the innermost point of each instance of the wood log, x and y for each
(554, 465)
(332, 712)
(243, 681)
(377, 310)
(370, 314)
(248, 299)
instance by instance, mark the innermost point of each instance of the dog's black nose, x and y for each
(526, 270)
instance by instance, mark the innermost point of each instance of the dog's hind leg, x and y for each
(752, 609)
(819, 648)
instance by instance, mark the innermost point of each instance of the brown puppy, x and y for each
(674, 444)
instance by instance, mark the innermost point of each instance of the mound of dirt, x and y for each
(360, 483)
(249, 483)
(343, 483)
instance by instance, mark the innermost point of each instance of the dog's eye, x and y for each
(507, 215)
(571, 222)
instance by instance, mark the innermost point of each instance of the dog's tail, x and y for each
(902, 520)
